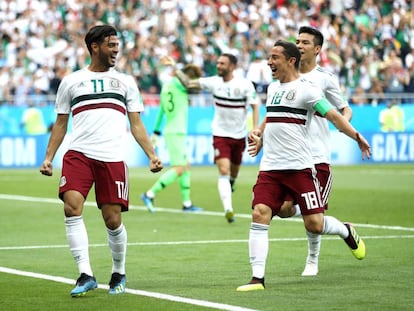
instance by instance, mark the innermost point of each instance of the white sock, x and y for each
(224, 190)
(297, 210)
(77, 237)
(150, 194)
(314, 246)
(117, 240)
(333, 226)
(258, 248)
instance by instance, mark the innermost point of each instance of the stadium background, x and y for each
(368, 45)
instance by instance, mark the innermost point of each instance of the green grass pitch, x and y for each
(178, 261)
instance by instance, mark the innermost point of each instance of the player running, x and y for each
(287, 165)
(233, 97)
(309, 42)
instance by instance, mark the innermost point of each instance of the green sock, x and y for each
(185, 182)
(167, 178)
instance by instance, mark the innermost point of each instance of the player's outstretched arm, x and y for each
(190, 84)
(347, 113)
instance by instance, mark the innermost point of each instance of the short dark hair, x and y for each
(318, 36)
(231, 57)
(98, 34)
(290, 50)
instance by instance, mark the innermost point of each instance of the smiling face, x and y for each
(224, 67)
(280, 64)
(107, 51)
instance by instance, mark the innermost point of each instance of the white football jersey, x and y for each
(99, 102)
(289, 110)
(319, 130)
(232, 100)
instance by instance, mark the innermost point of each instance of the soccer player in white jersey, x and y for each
(99, 99)
(287, 165)
(233, 96)
(310, 41)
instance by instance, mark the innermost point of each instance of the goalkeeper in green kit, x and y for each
(174, 104)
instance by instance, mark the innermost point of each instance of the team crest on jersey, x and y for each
(114, 84)
(62, 181)
(237, 92)
(291, 95)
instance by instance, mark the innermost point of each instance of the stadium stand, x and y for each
(368, 44)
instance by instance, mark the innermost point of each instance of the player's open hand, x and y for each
(155, 165)
(364, 146)
(46, 168)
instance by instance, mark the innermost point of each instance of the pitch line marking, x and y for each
(160, 295)
(138, 292)
(179, 211)
(168, 243)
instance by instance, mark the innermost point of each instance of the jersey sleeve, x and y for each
(251, 94)
(334, 94)
(207, 83)
(63, 98)
(317, 98)
(134, 102)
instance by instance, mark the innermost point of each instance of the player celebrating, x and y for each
(309, 42)
(287, 165)
(99, 99)
(174, 106)
(233, 96)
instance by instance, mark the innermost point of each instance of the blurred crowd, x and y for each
(369, 44)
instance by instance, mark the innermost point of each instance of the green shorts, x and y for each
(177, 149)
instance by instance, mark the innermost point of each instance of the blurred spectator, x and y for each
(37, 98)
(409, 58)
(372, 11)
(409, 87)
(5, 92)
(395, 75)
(365, 81)
(57, 76)
(20, 91)
(43, 39)
(259, 72)
(3, 59)
(42, 77)
(359, 97)
(376, 93)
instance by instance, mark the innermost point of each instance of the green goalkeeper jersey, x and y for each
(174, 105)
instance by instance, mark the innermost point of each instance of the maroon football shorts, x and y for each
(229, 148)
(324, 175)
(272, 188)
(79, 173)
